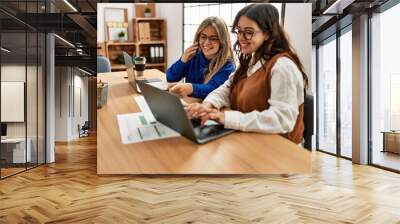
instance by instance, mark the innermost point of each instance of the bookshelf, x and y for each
(150, 34)
(114, 51)
(149, 40)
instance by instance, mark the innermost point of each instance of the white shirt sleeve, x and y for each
(220, 97)
(286, 97)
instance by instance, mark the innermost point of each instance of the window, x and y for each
(327, 96)
(346, 94)
(195, 13)
(385, 84)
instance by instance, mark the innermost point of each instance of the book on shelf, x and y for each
(144, 31)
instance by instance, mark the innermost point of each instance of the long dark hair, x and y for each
(267, 18)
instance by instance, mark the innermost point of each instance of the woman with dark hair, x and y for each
(206, 64)
(266, 92)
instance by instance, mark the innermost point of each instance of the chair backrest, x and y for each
(103, 64)
(86, 125)
(308, 120)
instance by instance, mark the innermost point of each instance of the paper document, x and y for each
(141, 102)
(136, 128)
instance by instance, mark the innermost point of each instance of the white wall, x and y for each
(62, 80)
(172, 12)
(82, 81)
(299, 29)
(12, 73)
(100, 18)
(68, 80)
(80, 84)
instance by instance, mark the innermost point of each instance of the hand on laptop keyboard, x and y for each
(205, 131)
(208, 131)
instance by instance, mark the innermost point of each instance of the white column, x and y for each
(62, 103)
(360, 90)
(50, 99)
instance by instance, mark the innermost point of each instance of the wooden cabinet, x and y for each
(114, 51)
(149, 40)
(391, 141)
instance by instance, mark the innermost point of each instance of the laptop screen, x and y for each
(3, 129)
(128, 60)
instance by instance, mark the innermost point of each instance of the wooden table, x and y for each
(238, 153)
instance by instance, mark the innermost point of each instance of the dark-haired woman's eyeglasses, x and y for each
(247, 34)
(211, 39)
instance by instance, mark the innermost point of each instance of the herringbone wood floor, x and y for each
(69, 191)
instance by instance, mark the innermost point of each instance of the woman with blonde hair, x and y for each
(206, 64)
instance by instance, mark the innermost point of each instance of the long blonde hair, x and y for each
(224, 53)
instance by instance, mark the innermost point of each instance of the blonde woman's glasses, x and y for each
(211, 39)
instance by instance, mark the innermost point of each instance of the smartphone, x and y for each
(152, 80)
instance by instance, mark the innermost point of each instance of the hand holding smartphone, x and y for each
(189, 52)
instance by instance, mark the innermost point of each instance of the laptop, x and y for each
(3, 131)
(168, 109)
(132, 77)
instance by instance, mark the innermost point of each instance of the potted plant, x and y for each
(120, 59)
(121, 36)
(147, 12)
(102, 92)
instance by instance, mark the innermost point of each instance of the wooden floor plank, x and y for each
(70, 191)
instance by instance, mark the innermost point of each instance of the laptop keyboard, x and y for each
(206, 131)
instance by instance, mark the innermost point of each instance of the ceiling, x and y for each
(76, 26)
(79, 27)
(333, 15)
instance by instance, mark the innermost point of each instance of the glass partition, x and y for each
(13, 104)
(327, 96)
(22, 77)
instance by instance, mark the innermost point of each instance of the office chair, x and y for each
(84, 130)
(103, 64)
(308, 120)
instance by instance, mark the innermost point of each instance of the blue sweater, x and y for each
(194, 69)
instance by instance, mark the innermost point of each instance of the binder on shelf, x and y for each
(155, 54)
(152, 54)
(161, 54)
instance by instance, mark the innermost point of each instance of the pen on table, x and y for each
(140, 134)
(155, 127)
